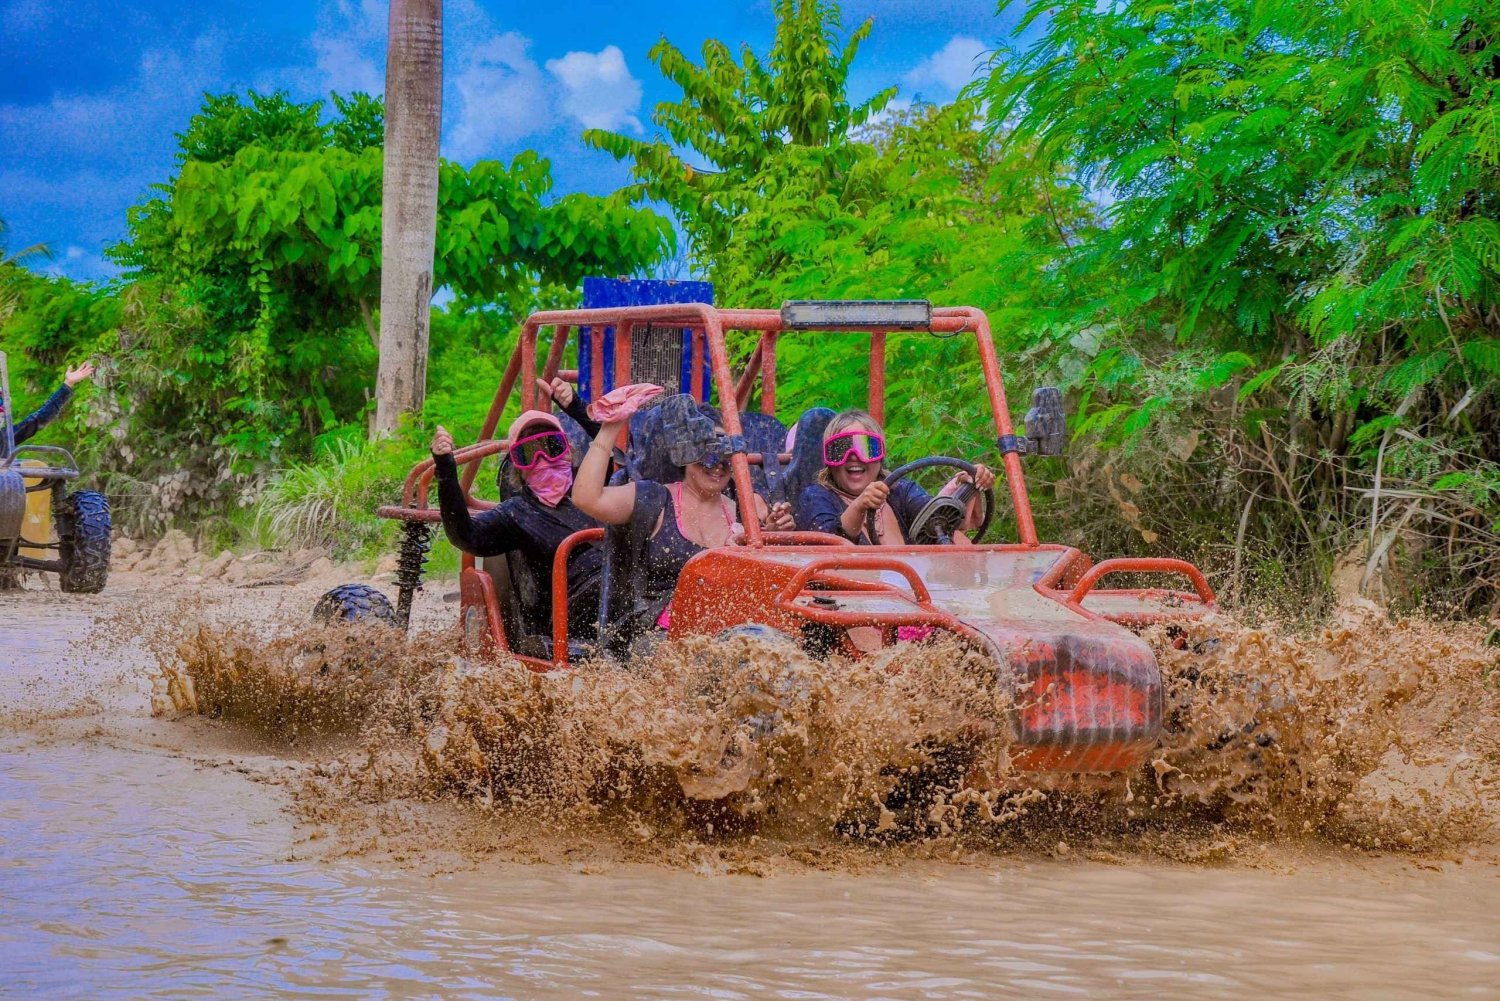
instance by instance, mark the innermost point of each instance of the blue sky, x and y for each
(93, 91)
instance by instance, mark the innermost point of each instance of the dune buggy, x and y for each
(1085, 689)
(79, 519)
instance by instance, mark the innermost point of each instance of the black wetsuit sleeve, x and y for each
(580, 415)
(488, 533)
(43, 415)
(820, 510)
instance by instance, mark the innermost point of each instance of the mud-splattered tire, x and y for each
(354, 603)
(83, 537)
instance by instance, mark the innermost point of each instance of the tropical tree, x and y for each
(270, 256)
(414, 101)
(244, 333)
(11, 264)
(810, 195)
(1302, 252)
(753, 127)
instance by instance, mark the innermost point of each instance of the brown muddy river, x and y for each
(150, 857)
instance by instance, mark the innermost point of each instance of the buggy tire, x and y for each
(83, 540)
(354, 603)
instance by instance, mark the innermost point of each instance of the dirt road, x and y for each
(145, 856)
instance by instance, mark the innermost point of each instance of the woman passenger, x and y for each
(849, 487)
(534, 522)
(682, 519)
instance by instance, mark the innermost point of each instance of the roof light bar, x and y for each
(876, 314)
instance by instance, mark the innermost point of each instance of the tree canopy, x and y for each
(244, 326)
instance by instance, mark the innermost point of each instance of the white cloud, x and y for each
(348, 53)
(80, 263)
(349, 46)
(597, 89)
(895, 107)
(344, 68)
(949, 68)
(502, 96)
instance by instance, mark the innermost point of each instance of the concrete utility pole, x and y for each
(413, 128)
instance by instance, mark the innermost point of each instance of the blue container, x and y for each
(603, 292)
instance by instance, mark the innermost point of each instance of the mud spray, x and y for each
(1370, 733)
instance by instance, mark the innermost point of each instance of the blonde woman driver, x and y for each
(849, 487)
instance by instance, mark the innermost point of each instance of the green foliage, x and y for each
(1285, 180)
(759, 125)
(330, 499)
(1302, 206)
(812, 196)
(226, 124)
(245, 327)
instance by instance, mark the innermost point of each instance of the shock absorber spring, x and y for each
(411, 559)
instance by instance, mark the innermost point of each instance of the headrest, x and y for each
(766, 435)
(807, 453)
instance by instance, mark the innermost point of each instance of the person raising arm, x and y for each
(678, 520)
(33, 422)
(534, 522)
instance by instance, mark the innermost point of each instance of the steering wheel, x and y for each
(941, 516)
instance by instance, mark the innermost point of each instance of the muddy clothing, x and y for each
(525, 525)
(820, 509)
(645, 568)
(580, 415)
(43, 415)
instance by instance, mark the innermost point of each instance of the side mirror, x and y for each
(1046, 422)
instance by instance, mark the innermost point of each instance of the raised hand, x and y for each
(77, 375)
(558, 390)
(442, 441)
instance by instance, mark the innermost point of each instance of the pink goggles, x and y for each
(530, 450)
(861, 446)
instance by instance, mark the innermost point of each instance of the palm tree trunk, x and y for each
(413, 126)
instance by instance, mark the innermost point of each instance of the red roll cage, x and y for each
(708, 326)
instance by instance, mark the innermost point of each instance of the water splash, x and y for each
(1370, 732)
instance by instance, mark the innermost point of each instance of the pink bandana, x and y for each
(549, 479)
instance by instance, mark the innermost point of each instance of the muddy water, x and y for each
(147, 857)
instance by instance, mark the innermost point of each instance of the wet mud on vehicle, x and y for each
(34, 481)
(1084, 689)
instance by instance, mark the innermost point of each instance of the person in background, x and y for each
(33, 422)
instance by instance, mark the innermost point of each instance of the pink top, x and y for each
(736, 530)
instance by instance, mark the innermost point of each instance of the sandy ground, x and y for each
(161, 856)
